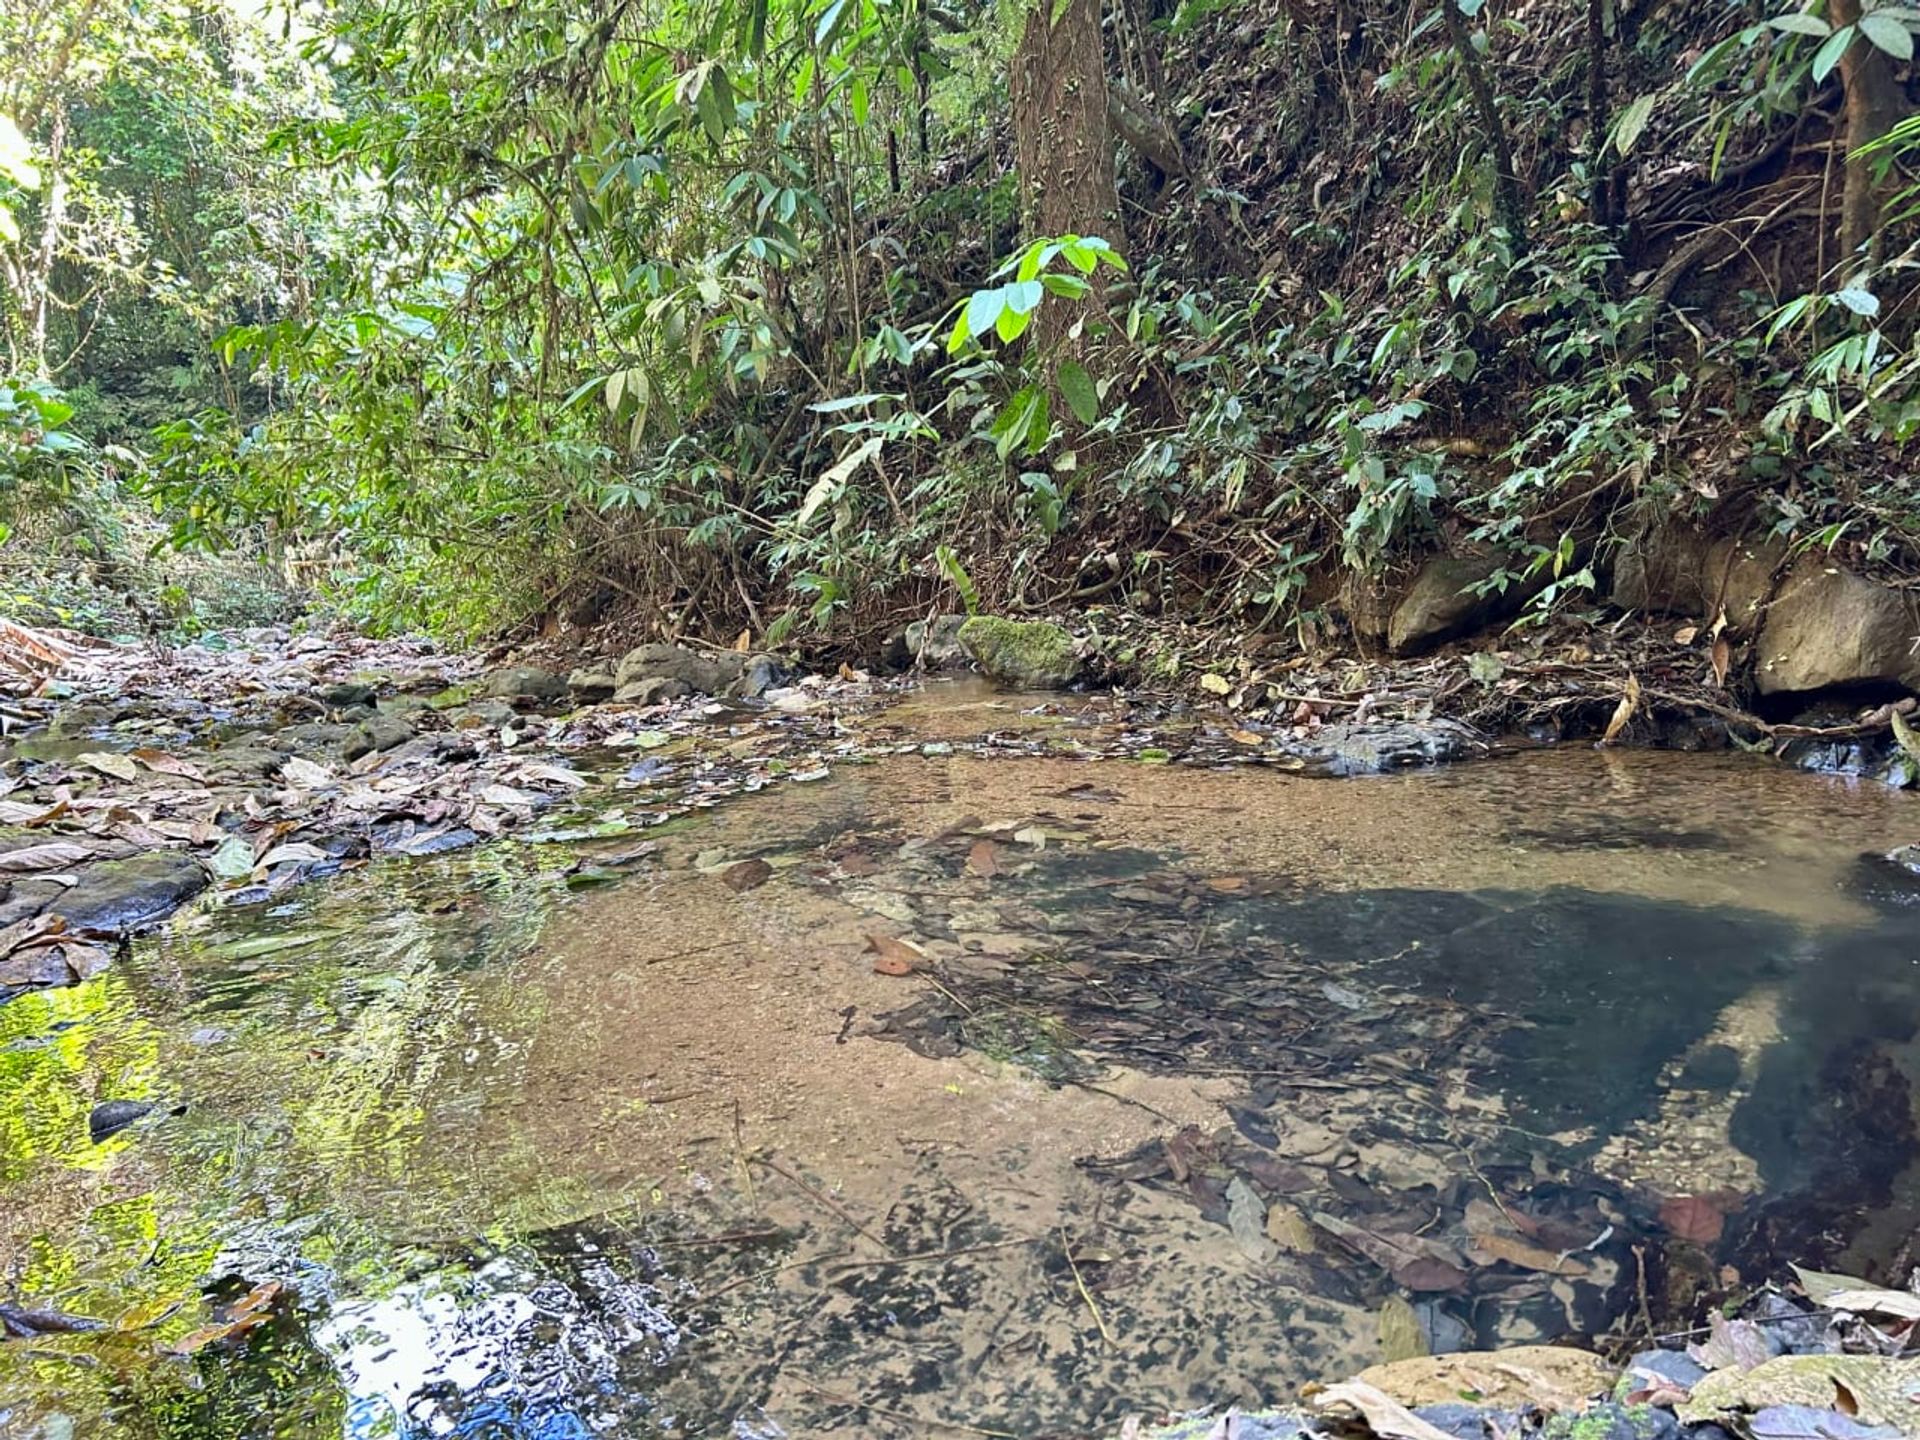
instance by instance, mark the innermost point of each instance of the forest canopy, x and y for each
(803, 318)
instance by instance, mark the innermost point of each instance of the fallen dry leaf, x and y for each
(50, 856)
(1491, 1249)
(165, 764)
(1623, 712)
(1385, 1416)
(1693, 1217)
(895, 956)
(250, 1310)
(305, 774)
(983, 859)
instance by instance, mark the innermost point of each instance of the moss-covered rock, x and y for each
(1030, 655)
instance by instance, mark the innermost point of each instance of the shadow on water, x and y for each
(1213, 1070)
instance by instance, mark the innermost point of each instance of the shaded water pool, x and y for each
(1195, 1075)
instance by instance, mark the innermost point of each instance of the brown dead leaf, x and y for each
(1226, 884)
(895, 956)
(746, 875)
(1247, 737)
(32, 931)
(253, 1309)
(983, 859)
(1386, 1417)
(1722, 658)
(553, 774)
(165, 764)
(60, 807)
(1693, 1217)
(1623, 712)
(1504, 1249)
(1686, 634)
(50, 856)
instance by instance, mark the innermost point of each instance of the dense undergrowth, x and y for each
(738, 315)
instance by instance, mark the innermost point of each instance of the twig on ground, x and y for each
(781, 1170)
(1066, 1245)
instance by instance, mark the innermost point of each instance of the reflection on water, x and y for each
(674, 1159)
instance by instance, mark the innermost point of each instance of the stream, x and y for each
(969, 1089)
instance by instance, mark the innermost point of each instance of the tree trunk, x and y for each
(1873, 105)
(1063, 143)
(1065, 150)
(53, 218)
(1506, 180)
(1598, 210)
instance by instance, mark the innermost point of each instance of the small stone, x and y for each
(113, 1116)
(385, 732)
(117, 895)
(346, 694)
(934, 644)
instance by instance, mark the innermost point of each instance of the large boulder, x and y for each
(1442, 603)
(1677, 571)
(524, 682)
(1828, 626)
(1028, 655)
(116, 895)
(592, 683)
(656, 672)
(934, 643)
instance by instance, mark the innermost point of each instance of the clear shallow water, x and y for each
(671, 1158)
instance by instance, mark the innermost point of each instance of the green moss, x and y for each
(1640, 1421)
(1032, 654)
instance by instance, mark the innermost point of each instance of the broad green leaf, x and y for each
(1859, 301)
(1799, 22)
(829, 23)
(1077, 386)
(956, 572)
(1828, 55)
(1011, 324)
(1632, 121)
(1888, 34)
(1024, 296)
(983, 308)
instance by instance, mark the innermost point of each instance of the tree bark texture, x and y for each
(1873, 104)
(1065, 149)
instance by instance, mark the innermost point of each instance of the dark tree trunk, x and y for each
(1598, 209)
(1506, 181)
(1873, 105)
